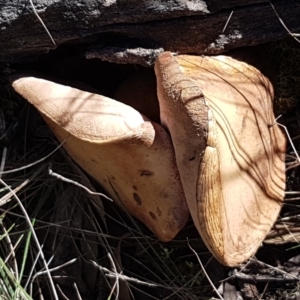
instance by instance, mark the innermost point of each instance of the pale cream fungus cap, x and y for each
(232, 165)
(223, 155)
(130, 156)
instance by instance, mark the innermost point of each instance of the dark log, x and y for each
(134, 31)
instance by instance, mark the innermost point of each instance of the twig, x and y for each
(205, 273)
(288, 135)
(290, 233)
(261, 278)
(291, 199)
(7, 197)
(116, 284)
(292, 193)
(279, 270)
(264, 291)
(77, 291)
(111, 274)
(39, 18)
(282, 23)
(32, 268)
(48, 271)
(56, 268)
(3, 160)
(227, 22)
(294, 165)
(284, 219)
(62, 178)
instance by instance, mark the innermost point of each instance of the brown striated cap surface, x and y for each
(130, 156)
(235, 190)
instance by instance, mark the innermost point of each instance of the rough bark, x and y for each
(134, 31)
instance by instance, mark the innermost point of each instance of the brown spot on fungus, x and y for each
(137, 199)
(152, 215)
(146, 173)
(122, 141)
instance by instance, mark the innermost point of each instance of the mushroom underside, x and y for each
(130, 156)
(240, 180)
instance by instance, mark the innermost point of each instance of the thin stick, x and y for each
(282, 23)
(292, 193)
(32, 269)
(291, 199)
(288, 135)
(62, 178)
(56, 268)
(204, 271)
(111, 274)
(116, 284)
(284, 219)
(290, 233)
(227, 22)
(264, 291)
(77, 291)
(7, 197)
(48, 271)
(286, 274)
(3, 160)
(295, 165)
(39, 18)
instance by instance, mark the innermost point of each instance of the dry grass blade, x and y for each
(41, 21)
(294, 35)
(227, 22)
(289, 138)
(46, 272)
(7, 197)
(12, 250)
(34, 236)
(34, 163)
(204, 271)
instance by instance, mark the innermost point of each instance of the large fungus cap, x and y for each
(130, 156)
(231, 159)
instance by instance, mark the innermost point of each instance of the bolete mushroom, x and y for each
(229, 149)
(130, 156)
